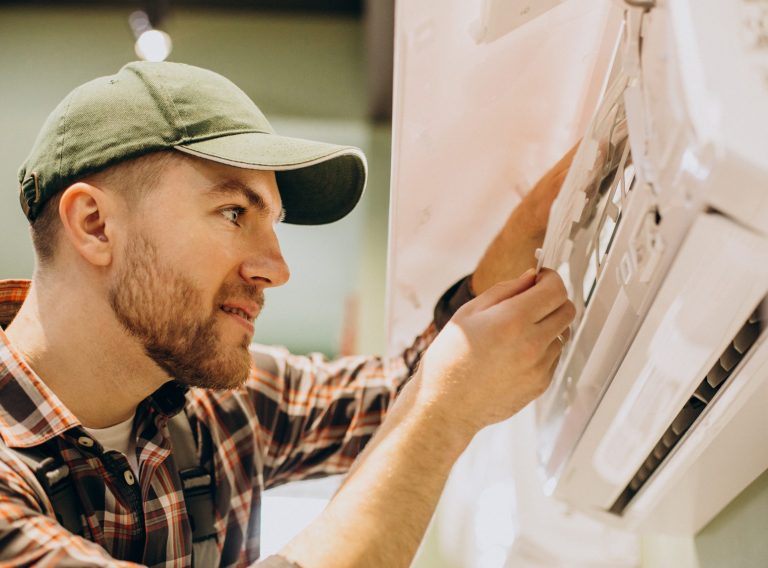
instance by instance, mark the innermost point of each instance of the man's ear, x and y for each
(87, 217)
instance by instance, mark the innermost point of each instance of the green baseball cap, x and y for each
(148, 107)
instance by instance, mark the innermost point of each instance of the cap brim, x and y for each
(318, 182)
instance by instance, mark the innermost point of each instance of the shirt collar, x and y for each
(30, 412)
(12, 295)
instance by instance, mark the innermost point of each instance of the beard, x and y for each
(167, 313)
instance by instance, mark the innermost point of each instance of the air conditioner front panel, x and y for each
(718, 278)
(584, 374)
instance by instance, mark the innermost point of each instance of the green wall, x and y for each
(738, 536)
(306, 73)
(735, 538)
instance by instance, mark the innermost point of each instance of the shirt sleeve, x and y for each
(453, 298)
(314, 416)
(29, 533)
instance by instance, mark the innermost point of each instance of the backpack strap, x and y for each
(198, 486)
(54, 481)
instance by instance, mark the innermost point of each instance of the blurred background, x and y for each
(318, 69)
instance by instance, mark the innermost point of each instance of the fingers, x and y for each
(556, 323)
(546, 296)
(505, 290)
(548, 364)
(555, 362)
(552, 354)
(550, 332)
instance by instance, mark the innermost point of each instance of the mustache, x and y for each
(240, 292)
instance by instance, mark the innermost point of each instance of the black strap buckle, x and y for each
(198, 495)
(53, 476)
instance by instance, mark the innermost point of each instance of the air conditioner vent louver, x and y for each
(702, 396)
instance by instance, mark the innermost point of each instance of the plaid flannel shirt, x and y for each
(295, 417)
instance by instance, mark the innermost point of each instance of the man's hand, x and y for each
(495, 355)
(512, 251)
(498, 352)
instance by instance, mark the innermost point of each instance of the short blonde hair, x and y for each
(135, 178)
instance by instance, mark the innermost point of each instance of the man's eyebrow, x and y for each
(234, 187)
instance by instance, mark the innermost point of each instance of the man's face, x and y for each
(188, 284)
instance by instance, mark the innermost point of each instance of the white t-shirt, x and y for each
(120, 438)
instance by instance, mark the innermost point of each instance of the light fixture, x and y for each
(151, 44)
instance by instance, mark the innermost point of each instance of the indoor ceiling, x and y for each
(349, 7)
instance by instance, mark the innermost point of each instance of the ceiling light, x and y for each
(151, 44)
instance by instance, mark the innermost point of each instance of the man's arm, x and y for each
(493, 357)
(379, 516)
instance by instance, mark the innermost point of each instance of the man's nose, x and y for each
(265, 264)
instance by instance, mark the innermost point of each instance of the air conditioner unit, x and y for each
(658, 413)
(500, 17)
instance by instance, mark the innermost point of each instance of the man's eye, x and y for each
(232, 214)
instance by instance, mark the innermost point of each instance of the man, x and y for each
(153, 196)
